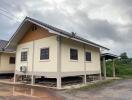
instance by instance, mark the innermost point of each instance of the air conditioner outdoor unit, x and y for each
(23, 69)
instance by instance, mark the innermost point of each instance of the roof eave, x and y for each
(15, 33)
(109, 54)
(7, 52)
(55, 32)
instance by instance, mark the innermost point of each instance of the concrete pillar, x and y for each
(32, 80)
(100, 76)
(58, 82)
(104, 67)
(85, 72)
(15, 78)
(59, 62)
(84, 79)
(113, 67)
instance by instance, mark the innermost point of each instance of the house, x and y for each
(7, 59)
(44, 50)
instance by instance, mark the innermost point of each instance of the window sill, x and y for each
(88, 61)
(23, 61)
(73, 60)
(46, 60)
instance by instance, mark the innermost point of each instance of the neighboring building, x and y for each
(43, 50)
(7, 59)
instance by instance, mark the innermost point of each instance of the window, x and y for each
(73, 54)
(88, 56)
(12, 60)
(24, 56)
(44, 54)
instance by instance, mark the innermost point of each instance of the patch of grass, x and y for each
(125, 76)
(96, 85)
(122, 70)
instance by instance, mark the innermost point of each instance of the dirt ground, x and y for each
(118, 90)
(24, 93)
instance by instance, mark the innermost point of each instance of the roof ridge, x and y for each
(48, 25)
(63, 31)
(57, 31)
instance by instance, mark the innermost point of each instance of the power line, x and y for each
(8, 14)
(9, 17)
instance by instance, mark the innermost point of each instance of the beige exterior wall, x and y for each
(46, 65)
(94, 65)
(33, 46)
(24, 47)
(78, 65)
(68, 65)
(5, 66)
(38, 65)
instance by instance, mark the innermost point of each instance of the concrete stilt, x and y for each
(100, 76)
(113, 68)
(104, 67)
(58, 82)
(32, 80)
(59, 62)
(84, 79)
(14, 78)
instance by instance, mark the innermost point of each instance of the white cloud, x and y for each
(107, 22)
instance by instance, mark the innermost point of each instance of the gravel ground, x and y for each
(118, 90)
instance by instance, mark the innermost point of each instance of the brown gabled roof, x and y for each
(3, 44)
(24, 25)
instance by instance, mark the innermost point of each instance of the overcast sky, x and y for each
(106, 22)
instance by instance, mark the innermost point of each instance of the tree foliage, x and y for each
(123, 66)
(124, 55)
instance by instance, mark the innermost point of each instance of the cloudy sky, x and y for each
(106, 22)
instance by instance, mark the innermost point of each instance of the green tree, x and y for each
(124, 55)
